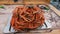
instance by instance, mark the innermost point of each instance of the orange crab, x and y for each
(27, 17)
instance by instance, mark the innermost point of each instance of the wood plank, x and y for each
(55, 10)
(24, 2)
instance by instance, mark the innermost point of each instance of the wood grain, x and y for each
(55, 10)
(25, 2)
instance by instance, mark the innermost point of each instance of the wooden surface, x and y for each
(36, 1)
(57, 31)
(24, 2)
(55, 10)
(53, 32)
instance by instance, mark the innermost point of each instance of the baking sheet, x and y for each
(6, 30)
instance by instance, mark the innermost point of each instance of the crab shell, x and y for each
(27, 18)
